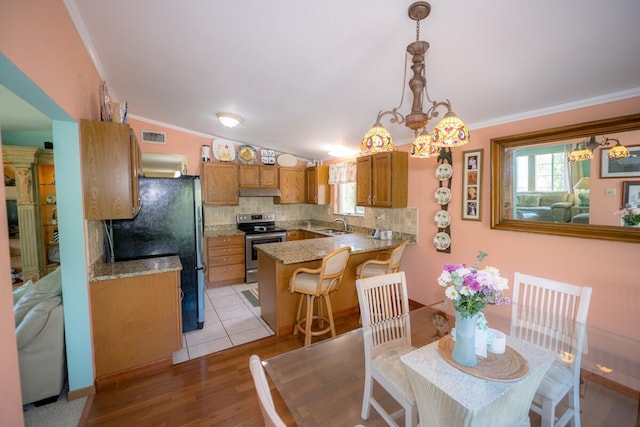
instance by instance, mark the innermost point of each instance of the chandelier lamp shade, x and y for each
(584, 150)
(422, 148)
(449, 132)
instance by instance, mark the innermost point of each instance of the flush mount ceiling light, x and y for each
(449, 132)
(229, 120)
(584, 150)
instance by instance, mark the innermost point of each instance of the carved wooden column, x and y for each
(31, 249)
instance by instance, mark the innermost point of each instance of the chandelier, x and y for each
(584, 150)
(449, 132)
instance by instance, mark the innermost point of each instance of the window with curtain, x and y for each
(343, 176)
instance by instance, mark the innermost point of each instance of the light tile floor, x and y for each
(229, 320)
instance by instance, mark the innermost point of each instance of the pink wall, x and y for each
(178, 142)
(40, 39)
(616, 289)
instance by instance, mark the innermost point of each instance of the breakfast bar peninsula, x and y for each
(277, 262)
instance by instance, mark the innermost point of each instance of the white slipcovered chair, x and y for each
(384, 307)
(265, 400)
(553, 314)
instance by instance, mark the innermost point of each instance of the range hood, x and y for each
(259, 192)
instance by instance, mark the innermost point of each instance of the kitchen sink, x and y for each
(334, 232)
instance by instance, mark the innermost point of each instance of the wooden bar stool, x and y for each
(387, 262)
(316, 283)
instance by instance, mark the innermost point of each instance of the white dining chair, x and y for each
(553, 314)
(384, 307)
(268, 409)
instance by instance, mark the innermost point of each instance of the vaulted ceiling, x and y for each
(307, 76)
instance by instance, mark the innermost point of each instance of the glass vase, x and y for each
(464, 349)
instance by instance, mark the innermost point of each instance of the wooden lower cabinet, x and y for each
(225, 260)
(303, 235)
(136, 324)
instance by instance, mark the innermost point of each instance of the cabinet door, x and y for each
(291, 185)
(317, 185)
(293, 235)
(219, 183)
(363, 181)
(149, 327)
(136, 171)
(268, 177)
(311, 190)
(249, 176)
(381, 180)
(108, 187)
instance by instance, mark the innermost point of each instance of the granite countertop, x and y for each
(314, 249)
(222, 232)
(120, 269)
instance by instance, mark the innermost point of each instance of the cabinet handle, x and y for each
(369, 199)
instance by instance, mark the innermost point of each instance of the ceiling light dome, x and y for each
(229, 120)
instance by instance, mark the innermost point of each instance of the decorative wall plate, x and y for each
(50, 199)
(247, 155)
(442, 219)
(287, 160)
(443, 195)
(441, 241)
(444, 172)
(223, 151)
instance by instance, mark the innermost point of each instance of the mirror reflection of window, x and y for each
(531, 173)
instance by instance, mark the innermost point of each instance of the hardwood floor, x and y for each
(214, 390)
(217, 390)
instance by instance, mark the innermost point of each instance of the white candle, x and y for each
(499, 343)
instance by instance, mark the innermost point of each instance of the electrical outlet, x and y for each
(610, 192)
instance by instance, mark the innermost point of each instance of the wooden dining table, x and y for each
(322, 384)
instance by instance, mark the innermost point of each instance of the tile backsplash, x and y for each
(399, 220)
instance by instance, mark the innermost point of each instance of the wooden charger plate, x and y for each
(509, 366)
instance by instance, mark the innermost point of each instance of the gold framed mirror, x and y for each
(535, 189)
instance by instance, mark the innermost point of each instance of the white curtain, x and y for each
(342, 173)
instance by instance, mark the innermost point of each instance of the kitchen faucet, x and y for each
(343, 221)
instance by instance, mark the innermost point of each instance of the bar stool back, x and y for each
(387, 262)
(314, 284)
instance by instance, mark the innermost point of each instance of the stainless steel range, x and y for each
(258, 229)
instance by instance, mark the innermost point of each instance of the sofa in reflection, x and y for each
(544, 206)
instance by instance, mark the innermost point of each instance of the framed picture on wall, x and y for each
(471, 185)
(631, 193)
(620, 168)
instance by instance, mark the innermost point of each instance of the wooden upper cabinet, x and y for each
(383, 180)
(317, 185)
(219, 183)
(291, 185)
(110, 170)
(363, 181)
(258, 176)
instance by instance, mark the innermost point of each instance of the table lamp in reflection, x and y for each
(582, 188)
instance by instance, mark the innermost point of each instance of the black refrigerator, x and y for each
(169, 223)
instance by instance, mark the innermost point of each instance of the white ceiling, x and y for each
(307, 75)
